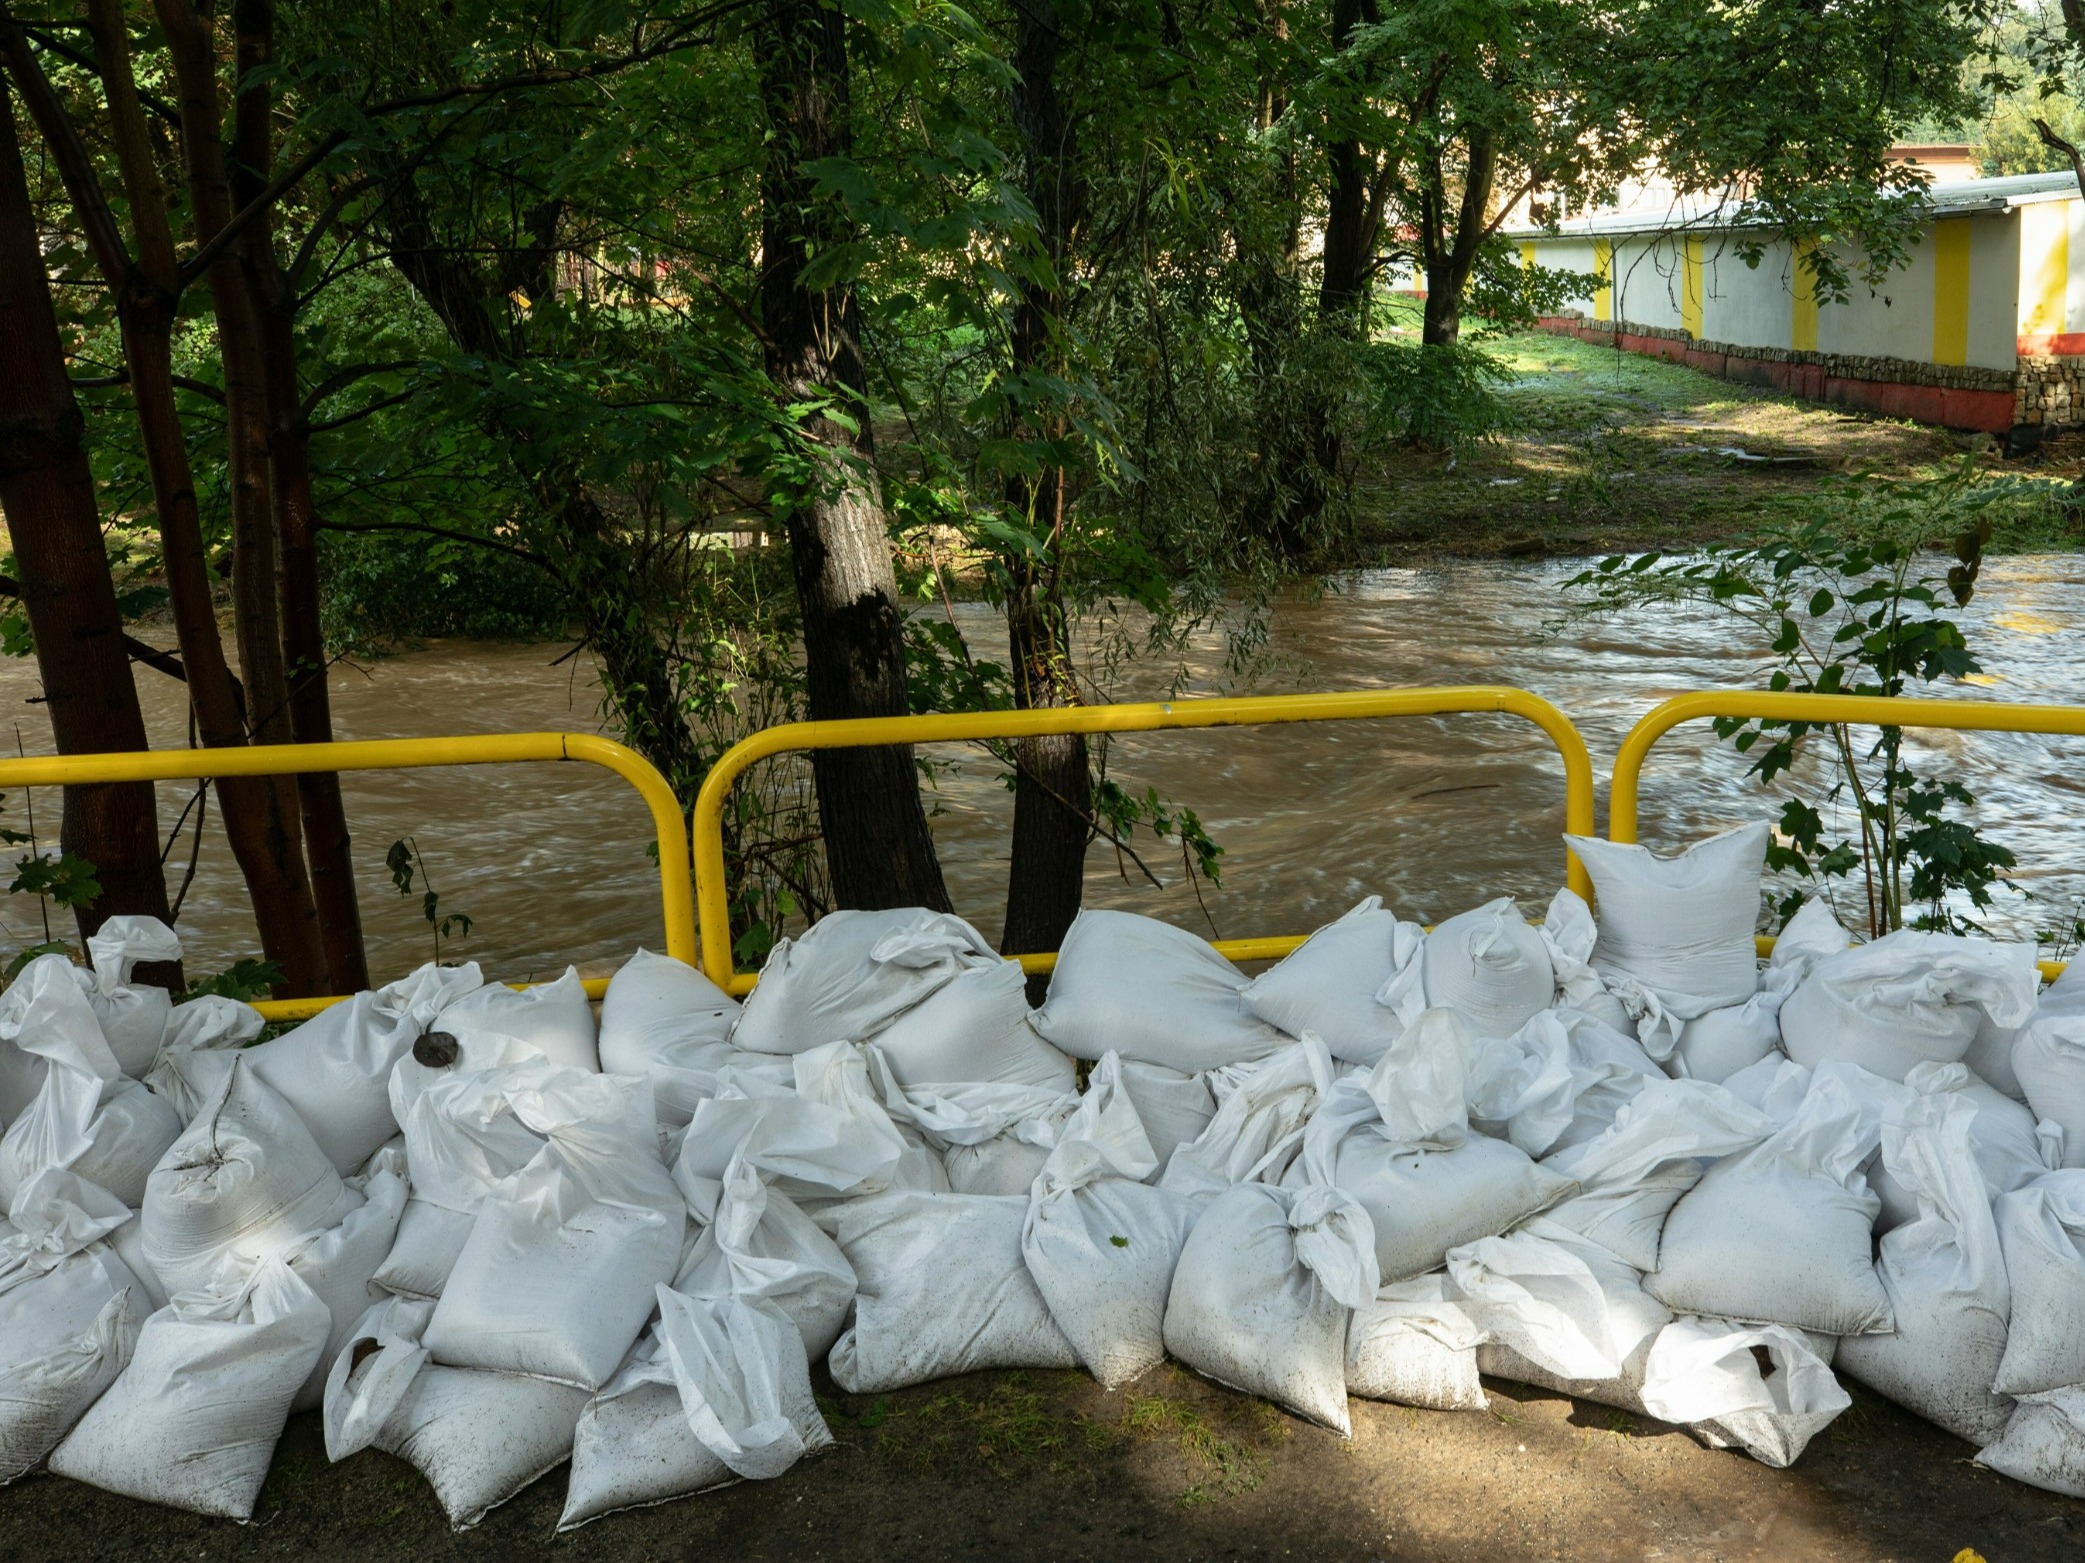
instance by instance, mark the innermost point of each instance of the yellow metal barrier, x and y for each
(1838, 710)
(676, 890)
(1154, 716)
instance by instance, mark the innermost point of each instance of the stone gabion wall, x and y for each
(1838, 366)
(2049, 392)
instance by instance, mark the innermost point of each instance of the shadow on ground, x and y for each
(1048, 1466)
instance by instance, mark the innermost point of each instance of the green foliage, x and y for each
(1438, 397)
(1846, 598)
(65, 880)
(402, 860)
(245, 979)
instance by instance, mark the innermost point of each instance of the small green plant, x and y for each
(402, 860)
(245, 979)
(67, 881)
(1849, 600)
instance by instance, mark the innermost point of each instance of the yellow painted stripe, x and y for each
(1802, 314)
(2045, 264)
(1951, 291)
(1690, 286)
(1603, 268)
(1527, 257)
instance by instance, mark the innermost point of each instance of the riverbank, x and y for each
(1047, 1466)
(1610, 452)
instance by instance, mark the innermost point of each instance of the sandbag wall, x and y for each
(483, 1234)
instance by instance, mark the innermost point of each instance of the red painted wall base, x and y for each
(1989, 412)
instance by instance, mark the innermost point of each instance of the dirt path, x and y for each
(1046, 1466)
(1613, 452)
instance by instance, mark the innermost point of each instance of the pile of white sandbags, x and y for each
(1615, 1157)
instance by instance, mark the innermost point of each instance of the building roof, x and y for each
(1960, 199)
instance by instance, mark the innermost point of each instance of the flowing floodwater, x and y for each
(1433, 813)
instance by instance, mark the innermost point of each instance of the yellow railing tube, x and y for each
(676, 890)
(1148, 716)
(1854, 710)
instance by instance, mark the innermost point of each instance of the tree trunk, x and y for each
(878, 849)
(1053, 781)
(47, 495)
(147, 291)
(309, 709)
(1451, 255)
(1353, 206)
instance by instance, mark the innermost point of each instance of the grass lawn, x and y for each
(1608, 451)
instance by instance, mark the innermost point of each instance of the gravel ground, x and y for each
(1049, 1466)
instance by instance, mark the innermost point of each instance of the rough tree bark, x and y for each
(146, 290)
(1053, 780)
(1450, 254)
(287, 435)
(878, 849)
(54, 524)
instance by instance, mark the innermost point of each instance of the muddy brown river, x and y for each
(1434, 814)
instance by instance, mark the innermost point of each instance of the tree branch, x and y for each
(2056, 143)
(442, 531)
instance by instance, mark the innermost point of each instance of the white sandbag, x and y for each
(1717, 1045)
(1945, 1276)
(557, 1276)
(1706, 1376)
(2049, 1061)
(478, 1438)
(339, 1265)
(462, 1138)
(853, 973)
(1609, 1067)
(481, 1438)
(633, 1446)
(1990, 1057)
(1570, 935)
(666, 1021)
(1550, 1303)
(70, 1311)
(244, 1182)
(2041, 1230)
(744, 1384)
(974, 1027)
(201, 1036)
(1100, 1243)
(827, 1136)
(2044, 1443)
(45, 998)
(334, 1070)
(758, 1247)
(1487, 965)
(1776, 1085)
(1537, 1299)
(553, 1018)
(943, 1290)
(2010, 1147)
(992, 1136)
(1526, 1088)
(1779, 1234)
(192, 1421)
(1147, 990)
(1413, 1345)
(1173, 1107)
(1680, 926)
(1908, 998)
(1259, 1122)
(1397, 1141)
(1266, 1284)
(1630, 1176)
(88, 1115)
(1332, 983)
(134, 1019)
